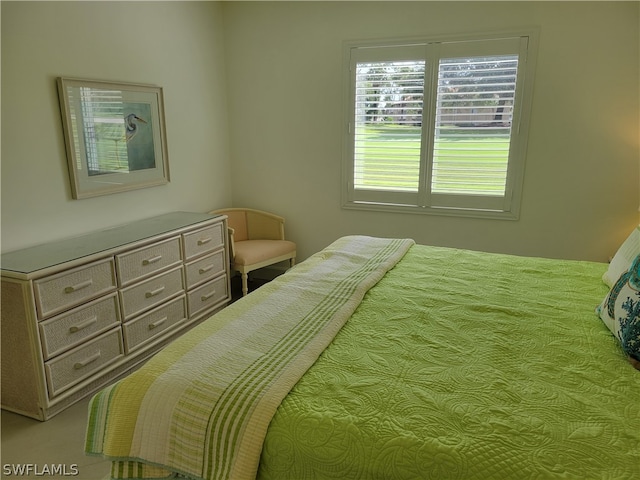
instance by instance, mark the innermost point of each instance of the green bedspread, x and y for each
(466, 365)
(456, 365)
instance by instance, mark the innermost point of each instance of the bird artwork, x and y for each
(130, 125)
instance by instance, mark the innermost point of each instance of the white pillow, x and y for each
(623, 258)
(620, 311)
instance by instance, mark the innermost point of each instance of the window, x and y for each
(438, 126)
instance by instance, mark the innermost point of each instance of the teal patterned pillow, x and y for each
(620, 311)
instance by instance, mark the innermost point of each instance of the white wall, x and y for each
(582, 186)
(278, 65)
(177, 45)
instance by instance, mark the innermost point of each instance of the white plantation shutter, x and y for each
(389, 98)
(473, 125)
(436, 127)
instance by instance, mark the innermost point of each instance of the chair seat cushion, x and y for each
(249, 252)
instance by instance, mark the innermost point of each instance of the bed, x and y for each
(382, 359)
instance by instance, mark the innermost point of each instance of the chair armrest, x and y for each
(232, 248)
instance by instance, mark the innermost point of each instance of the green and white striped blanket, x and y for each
(200, 408)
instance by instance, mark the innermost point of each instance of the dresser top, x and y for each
(39, 257)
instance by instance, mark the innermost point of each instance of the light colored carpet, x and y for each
(57, 445)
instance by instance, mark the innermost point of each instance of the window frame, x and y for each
(426, 202)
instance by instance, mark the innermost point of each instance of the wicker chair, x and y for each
(256, 241)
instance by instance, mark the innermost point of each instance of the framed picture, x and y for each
(114, 135)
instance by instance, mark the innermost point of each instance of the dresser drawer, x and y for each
(208, 295)
(150, 293)
(74, 327)
(203, 241)
(205, 269)
(146, 261)
(142, 329)
(60, 292)
(74, 366)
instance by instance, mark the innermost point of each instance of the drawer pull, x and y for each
(205, 269)
(87, 361)
(153, 293)
(78, 286)
(83, 325)
(149, 261)
(204, 241)
(158, 323)
(207, 296)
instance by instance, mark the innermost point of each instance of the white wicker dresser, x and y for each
(79, 313)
